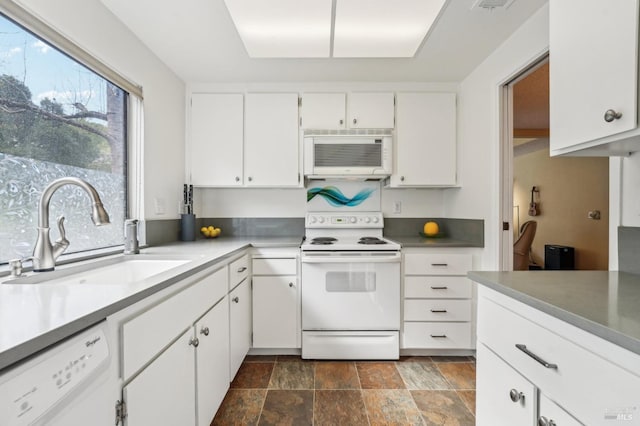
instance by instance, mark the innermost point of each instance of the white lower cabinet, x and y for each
(580, 378)
(506, 398)
(175, 354)
(276, 303)
(438, 301)
(239, 326)
(212, 359)
(165, 391)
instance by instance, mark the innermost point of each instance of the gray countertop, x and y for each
(422, 242)
(35, 316)
(604, 303)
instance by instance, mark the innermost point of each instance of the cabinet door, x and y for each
(275, 312)
(550, 413)
(212, 361)
(239, 326)
(323, 111)
(503, 396)
(371, 110)
(425, 140)
(271, 143)
(164, 392)
(215, 151)
(593, 68)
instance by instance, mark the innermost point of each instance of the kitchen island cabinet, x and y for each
(593, 103)
(543, 347)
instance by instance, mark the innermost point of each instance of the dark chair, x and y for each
(522, 246)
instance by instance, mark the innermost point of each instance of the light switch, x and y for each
(159, 205)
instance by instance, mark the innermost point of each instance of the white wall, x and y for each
(92, 26)
(249, 202)
(479, 132)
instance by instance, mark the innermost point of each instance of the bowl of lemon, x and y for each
(210, 231)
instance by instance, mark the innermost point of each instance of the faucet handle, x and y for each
(61, 243)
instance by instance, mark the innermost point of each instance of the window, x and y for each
(57, 118)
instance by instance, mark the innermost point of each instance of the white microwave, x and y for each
(348, 156)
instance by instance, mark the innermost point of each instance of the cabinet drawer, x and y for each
(238, 271)
(437, 310)
(144, 336)
(608, 386)
(437, 287)
(436, 264)
(437, 335)
(275, 266)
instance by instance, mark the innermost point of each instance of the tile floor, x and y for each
(286, 390)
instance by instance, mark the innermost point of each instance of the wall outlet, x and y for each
(397, 207)
(158, 203)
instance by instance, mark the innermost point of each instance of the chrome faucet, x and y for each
(45, 253)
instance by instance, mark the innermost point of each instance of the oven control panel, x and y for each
(349, 220)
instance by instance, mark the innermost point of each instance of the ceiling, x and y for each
(531, 104)
(198, 41)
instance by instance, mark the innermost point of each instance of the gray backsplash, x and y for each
(629, 249)
(256, 226)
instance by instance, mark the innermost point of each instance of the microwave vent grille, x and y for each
(348, 155)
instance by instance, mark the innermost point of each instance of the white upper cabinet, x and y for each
(371, 110)
(425, 148)
(323, 111)
(593, 76)
(215, 151)
(366, 110)
(271, 142)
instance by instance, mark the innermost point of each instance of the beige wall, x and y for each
(569, 188)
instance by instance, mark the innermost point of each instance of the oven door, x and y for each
(350, 291)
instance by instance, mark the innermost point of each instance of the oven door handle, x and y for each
(341, 259)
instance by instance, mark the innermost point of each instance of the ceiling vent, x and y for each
(491, 4)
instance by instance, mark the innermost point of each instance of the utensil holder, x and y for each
(187, 227)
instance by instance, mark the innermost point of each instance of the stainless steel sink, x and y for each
(118, 270)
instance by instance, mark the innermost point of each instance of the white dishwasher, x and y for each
(67, 384)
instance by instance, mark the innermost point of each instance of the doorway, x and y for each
(566, 197)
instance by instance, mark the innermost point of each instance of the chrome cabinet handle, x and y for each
(440, 264)
(546, 364)
(341, 121)
(291, 285)
(439, 311)
(205, 331)
(355, 121)
(249, 178)
(236, 299)
(543, 421)
(242, 269)
(435, 287)
(610, 115)
(438, 336)
(237, 179)
(401, 178)
(516, 396)
(194, 341)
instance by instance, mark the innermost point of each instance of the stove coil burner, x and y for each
(371, 241)
(323, 241)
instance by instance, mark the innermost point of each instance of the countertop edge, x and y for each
(602, 331)
(27, 349)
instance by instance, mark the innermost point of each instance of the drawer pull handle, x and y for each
(439, 311)
(194, 341)
(236, 299)
(205, 331)
(441, 287)
(439, 336)
(543, 421)
(440, 264)
(516, 396)
(524, 349)
(291, 285)
(242, 269)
